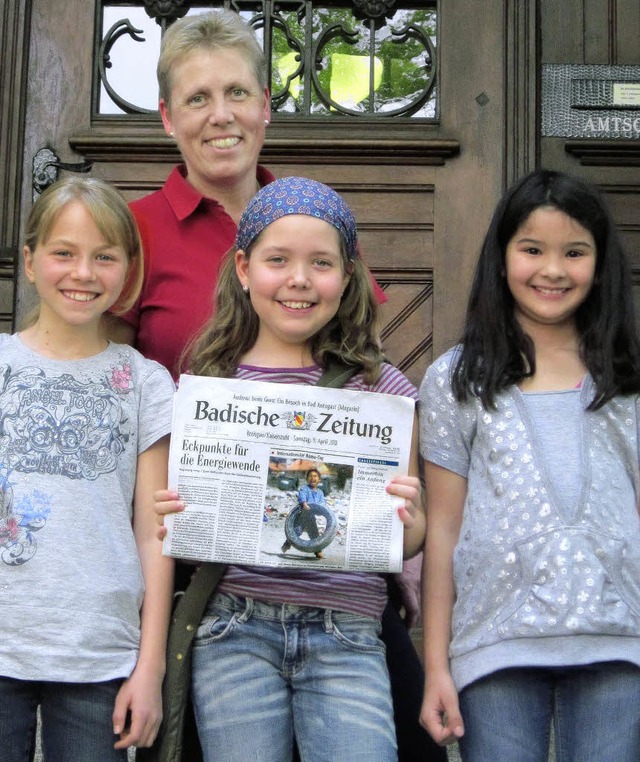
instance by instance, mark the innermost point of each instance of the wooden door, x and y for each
(422, 192)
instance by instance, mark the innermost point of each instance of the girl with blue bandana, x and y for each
(280, 652)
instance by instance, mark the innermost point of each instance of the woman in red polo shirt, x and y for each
(214, 102)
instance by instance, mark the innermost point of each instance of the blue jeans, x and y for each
(76, 721)
(595, 711)
(263, 673)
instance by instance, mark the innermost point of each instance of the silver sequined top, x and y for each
(529, 569)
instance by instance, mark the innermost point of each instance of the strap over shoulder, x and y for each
(337, 373)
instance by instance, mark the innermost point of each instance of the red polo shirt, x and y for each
(185, 237)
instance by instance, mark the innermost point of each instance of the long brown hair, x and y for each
(350, 336)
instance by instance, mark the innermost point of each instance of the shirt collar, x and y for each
(184, 199)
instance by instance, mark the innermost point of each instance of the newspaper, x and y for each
(243, 456)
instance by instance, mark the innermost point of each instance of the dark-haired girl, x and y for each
(530, 431)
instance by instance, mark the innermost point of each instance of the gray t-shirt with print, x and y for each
(71, 583)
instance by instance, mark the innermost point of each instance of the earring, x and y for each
(245, 289)
(266, 122)
(171, 134)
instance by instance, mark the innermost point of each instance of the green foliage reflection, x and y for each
(363, 69)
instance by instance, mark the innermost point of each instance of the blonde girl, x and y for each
(83, 445)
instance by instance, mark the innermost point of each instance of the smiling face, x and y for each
(313, 479)
(77, 273)
(550, 266)
(216, 114)
(295, 275)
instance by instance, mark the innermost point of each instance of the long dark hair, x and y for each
(496, 352)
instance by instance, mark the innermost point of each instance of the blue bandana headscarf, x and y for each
(297, 195)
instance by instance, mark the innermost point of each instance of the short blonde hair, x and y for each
(112, 217)
(208, 31)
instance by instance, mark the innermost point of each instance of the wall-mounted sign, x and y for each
(590, 101)
(626, 94)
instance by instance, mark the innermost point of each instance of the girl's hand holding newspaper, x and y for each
(411, 513)
(165, 501)
(409, 488)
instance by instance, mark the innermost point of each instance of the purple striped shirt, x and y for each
(356, 592)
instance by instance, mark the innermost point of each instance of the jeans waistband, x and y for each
(289, 612)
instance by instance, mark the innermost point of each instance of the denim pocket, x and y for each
(358, 634)
(215, 627)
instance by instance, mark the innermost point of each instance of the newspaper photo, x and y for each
(287, 475)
